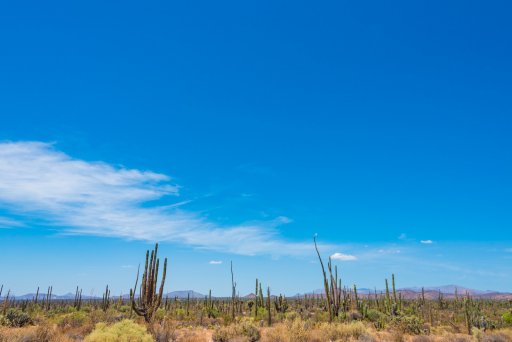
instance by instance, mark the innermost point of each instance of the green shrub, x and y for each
(73, 320)
(17, 318)
(408, 324)
(375, 315)
(124, 331)
(507, 317)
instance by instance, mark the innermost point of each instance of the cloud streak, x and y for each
(96, 198)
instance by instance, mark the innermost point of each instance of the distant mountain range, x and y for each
(68, 296)
(432, 292)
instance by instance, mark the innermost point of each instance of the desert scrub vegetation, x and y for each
(340, 313)
(124, 331)
(243, 331)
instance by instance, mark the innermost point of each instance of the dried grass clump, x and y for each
(342, 332)
(306, 331)
(164, 331)
(241, 332)
(41, 333)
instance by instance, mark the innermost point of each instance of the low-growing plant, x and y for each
(507, 317)
(17, 318)
(124, 331)
(244, 331)
(408, 324)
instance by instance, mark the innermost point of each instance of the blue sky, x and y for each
(238, 130)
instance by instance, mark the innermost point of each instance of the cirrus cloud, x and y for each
(96, 198)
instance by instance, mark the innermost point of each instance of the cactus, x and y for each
(105, 302)
(261, 296)
(149, 299)
(393, 286)
(281, 304)
(48, 298)
(388, 299)
(6, 302)
(331, 287)
(256, 300)
(188, 303)
(467, 315)
(36, 297)
(78, 299)
(233, 293)
(269, 308)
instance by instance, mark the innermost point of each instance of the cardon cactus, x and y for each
(149, 299)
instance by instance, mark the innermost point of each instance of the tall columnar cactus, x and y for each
(48, 298)
(467, 315)
(233, 293)
(356, 298)
(326, 284)
(261, 296)
(256, 299)
(77, 304)
(35, 298)
(188, 303)
(149, 299)
(105, 302)
(394, 289)
(332, 287)
(269, 308)
(281, 304)
(388, 299)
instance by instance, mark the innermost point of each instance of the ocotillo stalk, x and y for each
(149, 299)
(326, 284)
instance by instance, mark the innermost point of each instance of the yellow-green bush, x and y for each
(507, 317)
(74, 319)
(124, 331)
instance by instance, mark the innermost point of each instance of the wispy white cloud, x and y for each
(343, 257)
(389, 251)
(215, 262)
(96, 198)
(6, 222)
(427, 242)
